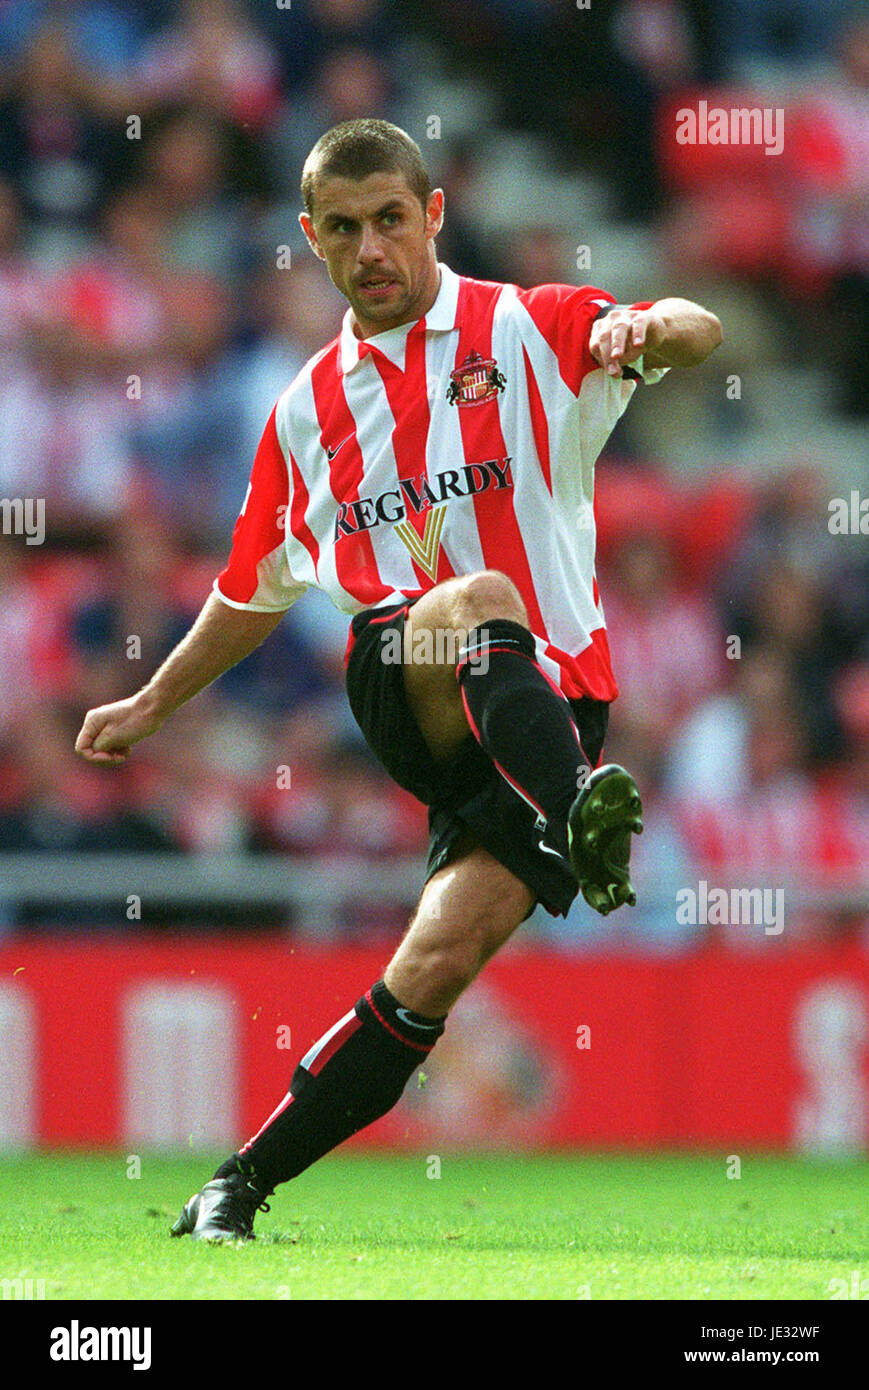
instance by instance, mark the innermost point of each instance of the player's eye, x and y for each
(391, 218)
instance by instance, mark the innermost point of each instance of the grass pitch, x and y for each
(494, 1227)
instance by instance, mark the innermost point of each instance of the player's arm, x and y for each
(670, 333)
(220, 637)
(258, 587)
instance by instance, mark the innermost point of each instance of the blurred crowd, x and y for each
(156, 297)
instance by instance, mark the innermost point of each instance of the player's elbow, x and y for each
(689, 335)
(701, 337)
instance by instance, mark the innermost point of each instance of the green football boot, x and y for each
(602, 819)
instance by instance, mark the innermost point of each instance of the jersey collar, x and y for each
(441, 318)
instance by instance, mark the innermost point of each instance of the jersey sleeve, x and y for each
(563, 315)
(257, 575)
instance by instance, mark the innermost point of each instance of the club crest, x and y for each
(475, 380)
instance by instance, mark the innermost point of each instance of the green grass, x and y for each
(495, 1227)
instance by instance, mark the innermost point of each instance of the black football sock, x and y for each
(352, 1076)
(521, 719)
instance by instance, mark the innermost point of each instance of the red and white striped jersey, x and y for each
(464, 441)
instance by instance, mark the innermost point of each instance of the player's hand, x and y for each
(109, 731)
(622, 336)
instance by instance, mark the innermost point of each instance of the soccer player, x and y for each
(432, 469)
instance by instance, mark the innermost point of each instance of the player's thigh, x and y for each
(435, 629)
(466, 912)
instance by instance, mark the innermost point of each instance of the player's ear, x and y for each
(307, 226)
(434, 212)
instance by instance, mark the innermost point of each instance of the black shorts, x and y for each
(464, 793)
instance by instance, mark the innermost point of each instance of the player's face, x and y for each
(378, 245)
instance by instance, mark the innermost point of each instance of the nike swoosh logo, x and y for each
(330, 453)
(402, 1014)
(547, 850)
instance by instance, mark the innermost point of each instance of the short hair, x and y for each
(355, 149)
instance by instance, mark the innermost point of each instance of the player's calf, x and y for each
(354, 1074)
(359, 1068)
(527, 727)
(467, 911)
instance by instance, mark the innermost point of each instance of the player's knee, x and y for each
(490, 594)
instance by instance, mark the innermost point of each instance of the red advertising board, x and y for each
(193, 1041)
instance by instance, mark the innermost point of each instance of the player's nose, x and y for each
(370, 245)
